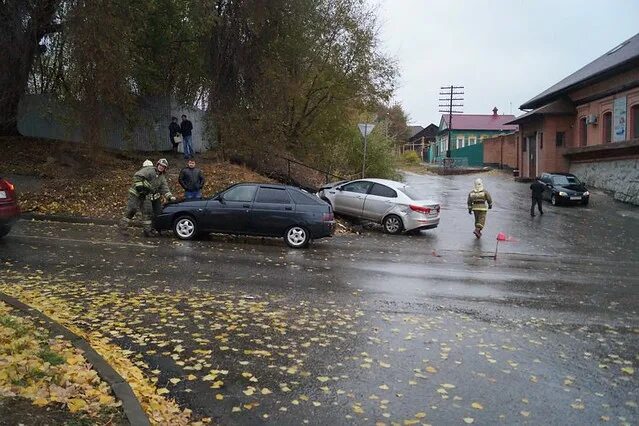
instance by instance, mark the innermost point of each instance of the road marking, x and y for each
(73, 240)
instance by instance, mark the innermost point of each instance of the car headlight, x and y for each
(586, 194)
(563, 194)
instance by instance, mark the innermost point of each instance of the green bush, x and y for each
(411, 157)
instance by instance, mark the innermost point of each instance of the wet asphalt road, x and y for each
(369, 328)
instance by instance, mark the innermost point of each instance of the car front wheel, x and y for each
(553, 200)
(185, 228)
(296, 237)
(4, 230)
(393, 224)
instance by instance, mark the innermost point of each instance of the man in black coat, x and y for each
(192, 180)
(537, 189)
(186, 129)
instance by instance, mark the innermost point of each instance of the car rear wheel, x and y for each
(584, 202)
(185, 228)
(393, 224)
(4, 230)
(296, 237)
(553, 200)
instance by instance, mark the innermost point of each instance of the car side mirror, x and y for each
(339, 188)
(220, 199)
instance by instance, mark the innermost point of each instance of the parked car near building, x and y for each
(9, 210)
(395, 205)
(564, 188)
(252, 209)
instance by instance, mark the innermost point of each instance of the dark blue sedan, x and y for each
(252, 209)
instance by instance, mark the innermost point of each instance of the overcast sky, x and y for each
(503, 51)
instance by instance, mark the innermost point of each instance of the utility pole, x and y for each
(450, 95)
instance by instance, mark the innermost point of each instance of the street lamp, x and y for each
(365, 129)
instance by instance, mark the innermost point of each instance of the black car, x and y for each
(564, 188)
(252, 209)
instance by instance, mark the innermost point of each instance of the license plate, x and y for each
(3, 194)
(575, 198)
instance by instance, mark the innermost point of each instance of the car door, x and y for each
(349, 199)
(379, 200)
(272, 211)
(545, 179)
(230, 211)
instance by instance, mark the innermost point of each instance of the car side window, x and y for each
(305, 199)
(383, 191)
(272, 195)
(360, 187)
(242, 193)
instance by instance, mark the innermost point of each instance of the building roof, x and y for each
(481, 122)
(558, 107)
(621, 56)
(413, 130)
(429, 131)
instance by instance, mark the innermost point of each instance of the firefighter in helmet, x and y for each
(149, 183)
(479, 202)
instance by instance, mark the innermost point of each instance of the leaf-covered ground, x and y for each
(247, 358)
(51, 374)
(75, 182)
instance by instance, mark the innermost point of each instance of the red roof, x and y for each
(481, 122)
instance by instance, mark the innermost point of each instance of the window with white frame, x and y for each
(460, 142)
(472, 140)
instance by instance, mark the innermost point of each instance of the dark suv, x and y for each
(9, 210)
(564, 188)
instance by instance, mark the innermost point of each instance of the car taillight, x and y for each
(328, 217)
(420, 209)
(8, 188)
(5, 185)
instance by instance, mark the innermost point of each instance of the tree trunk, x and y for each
(22, 27)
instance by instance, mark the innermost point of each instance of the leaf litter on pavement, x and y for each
(263, 356)
(47, 369)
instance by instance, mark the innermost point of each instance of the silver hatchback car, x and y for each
(395, 205)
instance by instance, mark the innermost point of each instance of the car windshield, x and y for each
(565, 180)
(412, 193)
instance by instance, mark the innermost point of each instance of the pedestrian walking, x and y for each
(147, 182)
(186, 130)
(479, 202)
(192, 180)
(537, 189)
(174, 134)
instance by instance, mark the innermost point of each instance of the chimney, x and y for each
(495, 112)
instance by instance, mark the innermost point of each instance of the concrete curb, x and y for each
(68, 218)
(122, 390)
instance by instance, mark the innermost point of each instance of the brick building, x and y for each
(501, 150)
(588, 124)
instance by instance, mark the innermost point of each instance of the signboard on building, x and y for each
(619, 120)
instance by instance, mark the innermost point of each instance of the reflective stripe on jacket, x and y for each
(477, 200)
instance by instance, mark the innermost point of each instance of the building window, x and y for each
(472, 140)
(583, 132)
(541, 140)
(460, 142)
(634, 116)
(607, 127)
(524, 142)
(560, 138)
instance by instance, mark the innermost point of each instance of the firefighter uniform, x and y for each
(479, 201)
(148, 186)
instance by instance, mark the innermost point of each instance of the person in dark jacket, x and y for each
(186, 129)
(537, 189)
(192, 180)
(174, 130)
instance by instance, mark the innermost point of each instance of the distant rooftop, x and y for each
(625, 54)
(492, 121)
